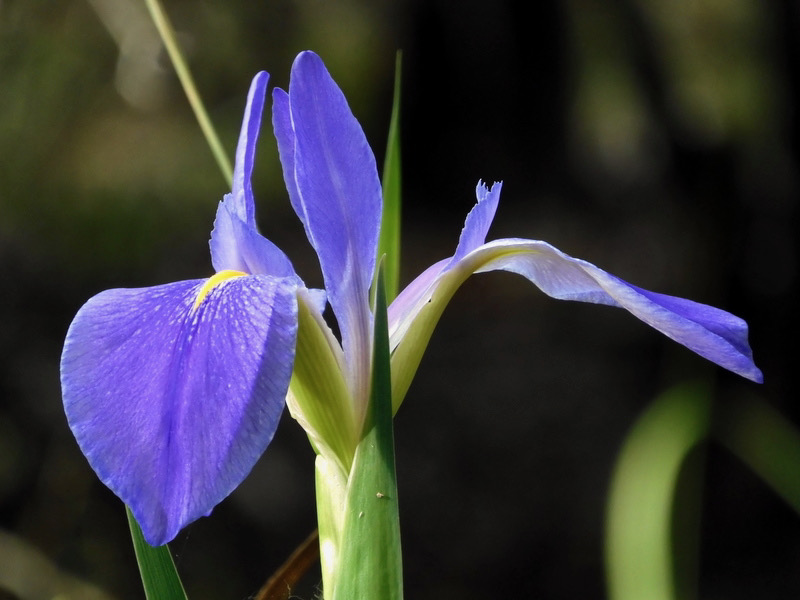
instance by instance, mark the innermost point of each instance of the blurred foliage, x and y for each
(639, 534)
(657, 139)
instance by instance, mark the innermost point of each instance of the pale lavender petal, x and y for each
(405, 307)
(172, 404)
(710, 332)
(478, 220)
(334, 187)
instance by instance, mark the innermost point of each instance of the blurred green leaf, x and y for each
(639, 551)
(767, 443)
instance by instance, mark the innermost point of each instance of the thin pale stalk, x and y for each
(167, 34)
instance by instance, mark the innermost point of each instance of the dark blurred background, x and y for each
(657, 139)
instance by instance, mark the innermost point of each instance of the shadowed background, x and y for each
(659, 140)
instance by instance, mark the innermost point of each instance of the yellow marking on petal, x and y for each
(212, 282)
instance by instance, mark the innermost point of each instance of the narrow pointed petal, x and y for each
(710, 332)
(235, 242)
(284, 135)
(173, 397)
(242, 204)
(333, 184)
(478, 220)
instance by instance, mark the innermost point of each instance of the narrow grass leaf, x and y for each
(167, 33)
(156, 567)
(370, 563)
(389, 244)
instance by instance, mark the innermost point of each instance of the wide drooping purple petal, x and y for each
(710, 332)
(235, 242)
(333, 185)
(173, 402)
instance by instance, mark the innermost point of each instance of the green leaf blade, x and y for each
(389, 243)
(370, 562)
(156, 567)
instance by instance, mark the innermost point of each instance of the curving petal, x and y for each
(172, 404)
(333, 185)
(710, 332)
(237, 246)
(478, 220)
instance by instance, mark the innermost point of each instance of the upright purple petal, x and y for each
(235, 241)
(284, 134)
(172, 401)
(334, 188)
(243, 205)
(478, 220)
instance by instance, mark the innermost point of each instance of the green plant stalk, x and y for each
(167, 34)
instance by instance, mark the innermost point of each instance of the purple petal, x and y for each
(710, 332)
(478, 220)
(237, 246)
(235, 241)
(333, 184)
(284, 135)
(242, 202)
(172, 404)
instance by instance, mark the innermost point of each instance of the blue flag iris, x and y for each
(174, 391)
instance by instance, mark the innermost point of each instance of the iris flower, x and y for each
(174, 391)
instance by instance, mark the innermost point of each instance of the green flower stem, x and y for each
(167, 34)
